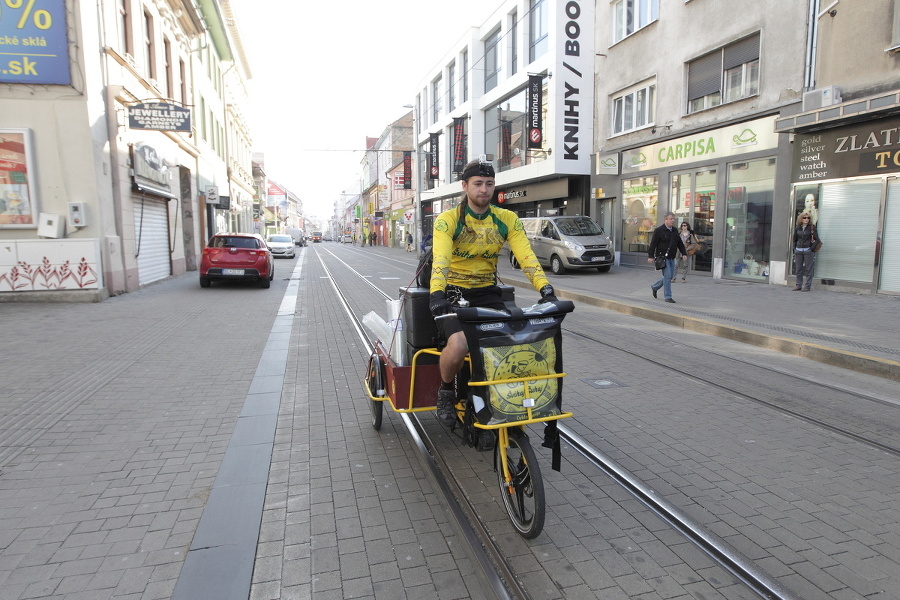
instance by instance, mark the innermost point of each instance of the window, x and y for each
(895, 29)
(505, 132)
(537, 30)
(451, 86)
(436, 98)
(182, 73)
(632, 15)
(465, 75)
(491, 60)
(734, 68)
(634, 109)
(167, 58)
(125, 43)
(514, 42)
(149, 47)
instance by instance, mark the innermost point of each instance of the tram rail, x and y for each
(496, 569)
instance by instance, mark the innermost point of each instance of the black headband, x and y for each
(479, 169)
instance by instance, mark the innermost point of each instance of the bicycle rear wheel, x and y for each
(523, 493)
(375, 381)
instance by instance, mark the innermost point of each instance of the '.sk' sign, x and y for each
(159, 116)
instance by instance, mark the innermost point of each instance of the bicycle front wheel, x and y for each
(522, 487)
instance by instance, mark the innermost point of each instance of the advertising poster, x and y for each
(18, 205)
(33, 43)
(806, 199)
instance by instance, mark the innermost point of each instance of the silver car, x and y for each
(281, 245)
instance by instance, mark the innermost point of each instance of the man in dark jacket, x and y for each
(666, 242)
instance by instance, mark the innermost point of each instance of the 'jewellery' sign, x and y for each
(159, 116)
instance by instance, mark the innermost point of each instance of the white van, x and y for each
(569, 242)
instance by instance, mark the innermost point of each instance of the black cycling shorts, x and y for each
(484, 297)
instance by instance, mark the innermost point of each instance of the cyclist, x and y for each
(466, 244)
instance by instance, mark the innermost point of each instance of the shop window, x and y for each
(639, 206)
(632, 15)
(634, 109)
(726, 75)
(748, 218)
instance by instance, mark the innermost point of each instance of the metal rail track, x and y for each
(500, 576)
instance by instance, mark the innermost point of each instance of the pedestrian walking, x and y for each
(409, 242)
(373, 237)
(691, 244)
(666, 243)
(806, 243)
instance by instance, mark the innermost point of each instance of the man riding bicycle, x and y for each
(466, 244)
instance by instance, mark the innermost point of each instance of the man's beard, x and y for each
(479, 203)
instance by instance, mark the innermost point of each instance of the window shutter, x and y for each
(742, 52)
(705, 75)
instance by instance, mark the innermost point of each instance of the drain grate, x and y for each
(603, 383)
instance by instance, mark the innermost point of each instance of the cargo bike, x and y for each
(512, 378)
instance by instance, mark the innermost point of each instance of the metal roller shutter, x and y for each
(890, 257)
(151, 234)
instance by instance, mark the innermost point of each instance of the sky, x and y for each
(326, 75)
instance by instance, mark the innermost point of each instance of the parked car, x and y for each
(236, 256)
(347, 239)
(281, 245)
(568, 242)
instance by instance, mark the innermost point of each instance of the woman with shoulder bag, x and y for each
(691, 244)
(806, 243)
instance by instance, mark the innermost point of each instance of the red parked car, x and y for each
(230, 256)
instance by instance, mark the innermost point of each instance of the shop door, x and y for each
(888, 254)
(151, 234)
(693, 197)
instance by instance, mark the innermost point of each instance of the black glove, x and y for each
(547, 294)
(439, 305)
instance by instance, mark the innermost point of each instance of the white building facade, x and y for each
(518, 89)
(111, 141)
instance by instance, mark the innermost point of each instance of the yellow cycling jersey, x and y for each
(465, 253)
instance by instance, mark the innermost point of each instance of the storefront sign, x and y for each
(433, 159)
(606, 164)
(33, 43)
(575, 100)
(159, 116)
(151, 173)
(870, 148)
(742, 138)
(548, 190)
(535, 115)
